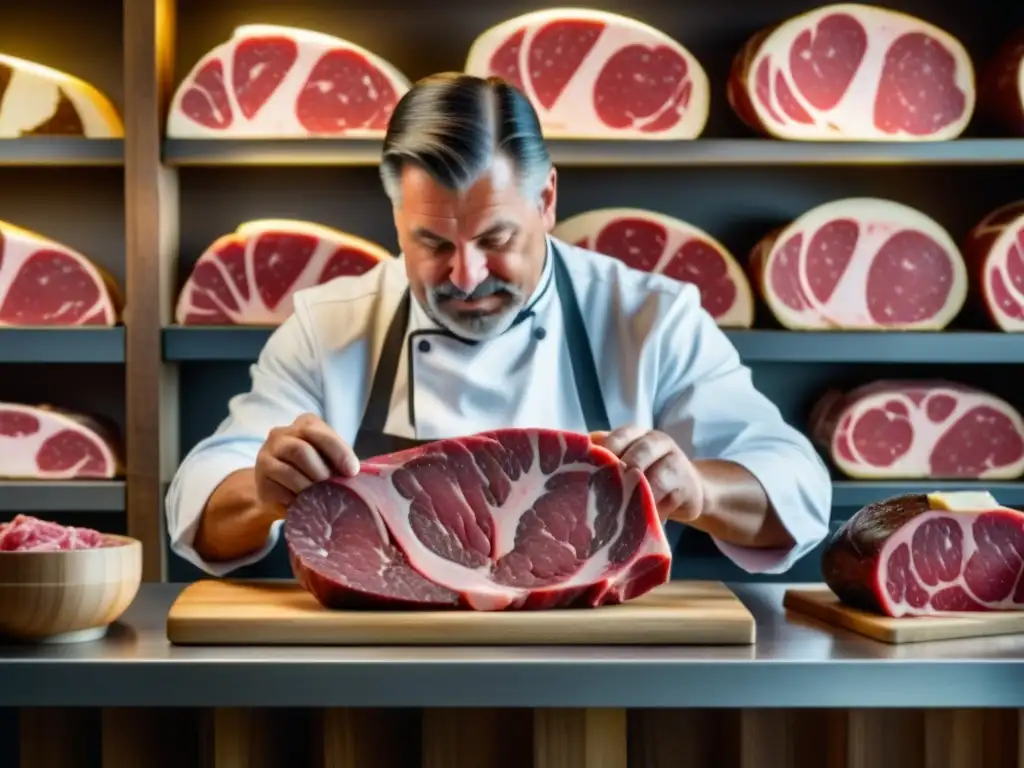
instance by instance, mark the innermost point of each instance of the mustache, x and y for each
(491, 286)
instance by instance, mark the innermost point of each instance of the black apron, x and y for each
(371, 440)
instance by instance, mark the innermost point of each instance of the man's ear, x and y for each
(549, 200)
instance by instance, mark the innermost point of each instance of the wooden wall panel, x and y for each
(518, 738)
(477, 738)
(58, 738)
(353, 738)
(151, 222)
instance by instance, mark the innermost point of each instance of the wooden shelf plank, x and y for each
(61, 151)
(241, 343)
(743, 152)
(38, 496)
(62, 345)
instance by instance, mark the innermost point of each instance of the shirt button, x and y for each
(424, 345)
(539, 333)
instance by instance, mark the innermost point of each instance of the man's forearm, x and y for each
(736, 508)
(233, 523)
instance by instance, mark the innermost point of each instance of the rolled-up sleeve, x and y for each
(707, 402)
(285, 384)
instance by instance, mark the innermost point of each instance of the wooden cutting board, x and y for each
(821, 604)
(282, 613)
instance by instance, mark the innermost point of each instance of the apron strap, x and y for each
(379, 405)
(588, 383)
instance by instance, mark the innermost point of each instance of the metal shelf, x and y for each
(244, 343)
(62, 345)
(581, 152)
(858, 493)
(878, 347)
(214, 344)
(61, 151)
(32, 497)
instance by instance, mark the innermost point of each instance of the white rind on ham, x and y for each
(909, 430)
(854, 72)
(44, 283)
(249, 277)
(653, 242)
(994, 250)
(597, 75)
(861, 264)
(278, 82)
(43, 443)
(38, 100)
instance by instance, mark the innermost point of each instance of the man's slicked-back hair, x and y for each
(453, 125)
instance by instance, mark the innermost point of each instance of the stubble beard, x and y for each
(475, 326)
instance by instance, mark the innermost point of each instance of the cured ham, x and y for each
(653, 242)
(597, 75)
(248, 277)
(861, 264)
(278, 82)
(36, 100)
(853, 72)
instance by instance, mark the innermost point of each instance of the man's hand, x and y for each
(295, 457)
(677, 485)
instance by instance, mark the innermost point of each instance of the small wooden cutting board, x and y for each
(282, 613)
(821, 603)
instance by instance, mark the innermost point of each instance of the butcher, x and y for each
(486, 321)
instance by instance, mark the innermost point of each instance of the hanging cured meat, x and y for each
(897, 430)
(46, 443)
(861, 264)
(598, 75)
(249, 276)
(995, 257)
(279, 82)
(852, 72)
(653, 242)
(43, 283)
(39, 101)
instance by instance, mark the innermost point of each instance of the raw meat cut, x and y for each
(653, 242)
(30, 534)
(1001, 85)
(853, 72)
(994, 251)
(39, 101)
(919, 429)
(929, 554)
(277, 82)
(597, 75)
(508, 519)
(44, 283)
(250, 276)
(46, 443)
(861, 264)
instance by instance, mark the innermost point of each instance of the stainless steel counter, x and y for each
(794, 664)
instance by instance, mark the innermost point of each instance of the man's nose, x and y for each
(469, 269)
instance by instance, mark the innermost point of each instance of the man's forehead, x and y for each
(424, 196)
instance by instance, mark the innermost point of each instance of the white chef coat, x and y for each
(662, 362)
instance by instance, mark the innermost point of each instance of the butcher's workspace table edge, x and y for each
(795, 663)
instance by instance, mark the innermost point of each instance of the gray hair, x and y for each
(453, 125)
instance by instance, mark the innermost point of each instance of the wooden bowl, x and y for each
(67, 596)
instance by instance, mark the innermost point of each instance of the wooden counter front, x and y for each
(806, 695)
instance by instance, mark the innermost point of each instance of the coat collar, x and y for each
(539, 304)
